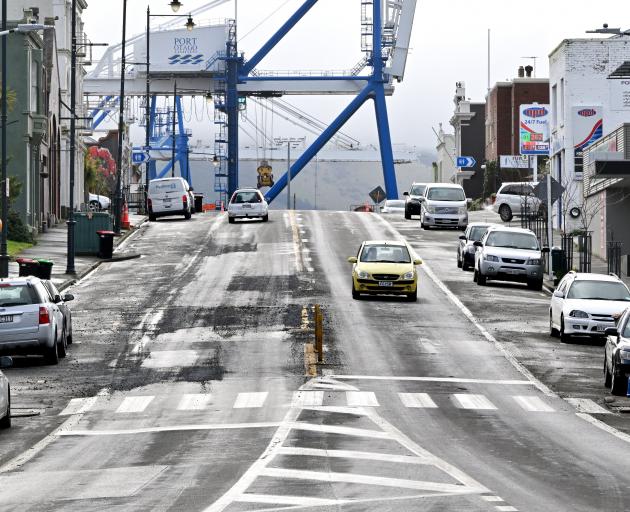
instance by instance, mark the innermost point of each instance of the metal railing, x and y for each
(613, 257)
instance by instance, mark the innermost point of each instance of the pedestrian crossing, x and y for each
(334, 401)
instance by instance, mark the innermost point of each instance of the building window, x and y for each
(554, 106)
(34, 106)
(561, 102)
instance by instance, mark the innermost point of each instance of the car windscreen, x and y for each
(17, 295)
(246, 197)
(161, 187)
(385, 254)
(446, 194)
(598, 290)
(477, 232)
(417, 190)
(512, 240)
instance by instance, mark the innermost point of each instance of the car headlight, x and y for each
(576, 313)
(462, 210)
(490, 257)
(625, 354)
(471, 249)
(409, 275)
(362, 274)
(431, 209)
(533, 261)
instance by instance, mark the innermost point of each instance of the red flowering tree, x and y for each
(100, 171)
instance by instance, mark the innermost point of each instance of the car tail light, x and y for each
(44, 316)
(149, 204)
(185, 199)
(494, 199)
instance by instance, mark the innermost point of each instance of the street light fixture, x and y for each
(209, 98)
(190, 24)
(215, 161)
(175, 5)
(25, 27)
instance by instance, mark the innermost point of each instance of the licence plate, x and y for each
(247, 206)
(514, 272)
(385, 283)
(601, 328)
(167, 199)
(5, 319)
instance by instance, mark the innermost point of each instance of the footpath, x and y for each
(53, 245)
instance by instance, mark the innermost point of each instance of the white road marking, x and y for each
(250, 400)
(194, 402)
(586, 405)
(467, 401)
(303, 501)
(506, 508)
(418, 400)
(361, 399)
(350, 454)
(134, 404)
(533, 404)
(432, 379)
(603, 426)
(171, 359)
(173, 428)
(354, 478)
(310, 269)
(304, 240)
(336, 409)
(307, 398)
(79, 406)
(334, 429)
(491, 498)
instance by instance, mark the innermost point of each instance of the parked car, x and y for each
(466, 248)
(30, 322)
(61, 301)
(444, 205)
(169, 196)
(385, 268)
(97, 202)
(586, 304)
(412, 202)
(617, 356)
(5, 394)
(393, 206)
(514, 198)
(247, 203)
(509, 254)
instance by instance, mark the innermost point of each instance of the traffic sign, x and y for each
(466, 161)
(140, 157)
(378, 195)
(540, 190)
(514, 162)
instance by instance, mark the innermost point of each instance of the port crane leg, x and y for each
(385, 142)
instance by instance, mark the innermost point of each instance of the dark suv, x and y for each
(412, 203)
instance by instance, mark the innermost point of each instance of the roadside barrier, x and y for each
(319, 333)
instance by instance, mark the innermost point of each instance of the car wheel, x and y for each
(459, 261)
(465, 266)
(481, 279)
(413, 297)
(475, 274)
(231, 220)
(355, 294)
(553, 332)
(407, 215)
(51, 355)
(69, 337)
(607, 375)
(152, 218)
(618, 382)
(187, 215)
(265, 218)
(6, 421)
(63, 344)
(505, 213)
(535, 285)
(564, 338)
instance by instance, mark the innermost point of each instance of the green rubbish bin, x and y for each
(86, 239)
(44, 268)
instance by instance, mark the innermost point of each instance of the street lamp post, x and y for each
(29, 27)
(290, 142)
(121, 123)
(73, 99)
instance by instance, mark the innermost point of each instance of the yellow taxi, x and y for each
(383, 267)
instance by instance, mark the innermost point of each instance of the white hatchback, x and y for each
(513, 198)
(586, 304)
(247, 203)
(169, 196)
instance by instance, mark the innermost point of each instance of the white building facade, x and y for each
(446, 157)
(585, 104)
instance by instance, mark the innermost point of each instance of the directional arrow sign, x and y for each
(466, 161)
(140, 157)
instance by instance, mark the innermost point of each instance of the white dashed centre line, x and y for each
(134, 404)
(417, 400)
(194, 402)
(250, 400)
(473, 402)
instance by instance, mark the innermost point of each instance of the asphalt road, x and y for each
(186, 388)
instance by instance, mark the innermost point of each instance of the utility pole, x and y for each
(121, 123)
(290, 142)
(4, 257)
(147, 135)
(73, 137)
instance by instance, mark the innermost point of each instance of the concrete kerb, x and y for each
(80, 275)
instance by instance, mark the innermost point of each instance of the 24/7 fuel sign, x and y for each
(534, 129)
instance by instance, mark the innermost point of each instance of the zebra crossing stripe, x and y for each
(194, 402)
(79, 406)
(533, 404)
(479, 402)
(587, 406)
(417, 400)
(307, 398)
(250, 400)
(134, 404)
(361, 399)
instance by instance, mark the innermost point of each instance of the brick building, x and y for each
(502, 111)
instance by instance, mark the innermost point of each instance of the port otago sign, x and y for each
(534, 129)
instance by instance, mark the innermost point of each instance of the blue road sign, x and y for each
(466, 161)
(140, 157)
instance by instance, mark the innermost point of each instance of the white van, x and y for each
(444, 205)
(169, 196)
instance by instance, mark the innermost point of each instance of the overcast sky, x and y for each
(449, 44)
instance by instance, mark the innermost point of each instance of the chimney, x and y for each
(521, 72)
(528, 71)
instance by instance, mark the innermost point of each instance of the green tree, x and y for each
(490, 178)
